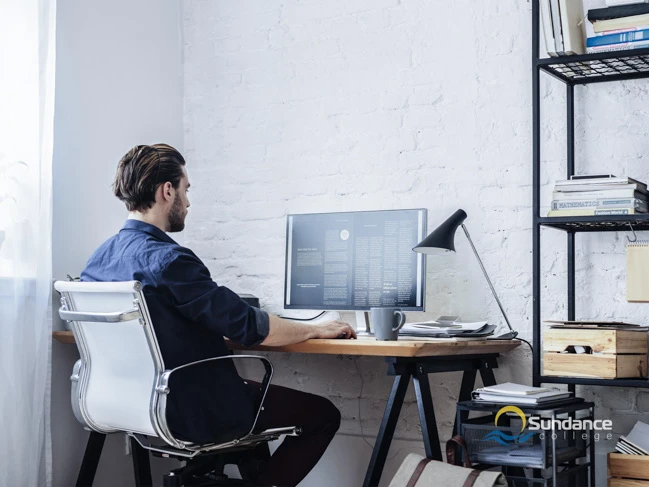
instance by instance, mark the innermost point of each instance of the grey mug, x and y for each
(387, 322)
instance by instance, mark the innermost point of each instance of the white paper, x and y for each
(432, 326)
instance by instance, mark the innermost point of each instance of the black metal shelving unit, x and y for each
(573, 71)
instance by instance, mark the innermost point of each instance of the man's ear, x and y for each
(167, 191)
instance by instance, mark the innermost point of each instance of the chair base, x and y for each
(208, 470)
(214, 481)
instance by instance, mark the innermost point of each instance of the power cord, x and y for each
(528, 344)
(360, 395)
(303, 319)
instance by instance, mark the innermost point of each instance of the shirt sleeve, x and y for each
(201, 300)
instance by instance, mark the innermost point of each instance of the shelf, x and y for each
(595, 382)
(595, 68)
(613, 223)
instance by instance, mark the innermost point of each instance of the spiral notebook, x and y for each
(637, 271)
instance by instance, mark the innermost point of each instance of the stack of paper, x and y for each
(524, 455)
(510, 393)
(434, 329)
(636, 442)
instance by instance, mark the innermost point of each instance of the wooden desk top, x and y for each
(404, 347)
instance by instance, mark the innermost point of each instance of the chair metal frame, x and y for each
(171, 446)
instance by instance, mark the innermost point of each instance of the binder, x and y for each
(637, 271)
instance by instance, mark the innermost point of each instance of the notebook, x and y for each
(637, 271)
(510, 388)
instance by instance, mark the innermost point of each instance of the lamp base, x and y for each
(510, 335)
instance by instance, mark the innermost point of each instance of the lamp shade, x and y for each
(443, 237)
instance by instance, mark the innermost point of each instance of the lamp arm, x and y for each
(466, 232)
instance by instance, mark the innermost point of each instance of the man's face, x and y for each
(178, 210)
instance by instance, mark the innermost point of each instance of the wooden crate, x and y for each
(615, 482)
(604, 366)
(616, 353)
(628, 470)
(601, 341)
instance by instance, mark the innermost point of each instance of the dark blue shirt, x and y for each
(191, 314)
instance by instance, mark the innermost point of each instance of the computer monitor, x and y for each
(354, 261)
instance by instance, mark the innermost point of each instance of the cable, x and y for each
(358, 402)
(528, 343)
(303, 319)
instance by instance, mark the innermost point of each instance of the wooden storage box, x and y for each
(628, 470)
(614, 354)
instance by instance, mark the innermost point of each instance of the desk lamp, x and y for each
(442, 240)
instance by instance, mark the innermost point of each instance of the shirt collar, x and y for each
(141, 226)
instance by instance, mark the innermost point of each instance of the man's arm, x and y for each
(198, 298)
(287, 332)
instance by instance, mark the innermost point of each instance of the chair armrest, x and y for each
(163, 385)
(130, 315)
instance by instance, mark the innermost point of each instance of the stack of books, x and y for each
(519, 394)
(561, 22)
(599, 195)
(636, 442)
(619, 28)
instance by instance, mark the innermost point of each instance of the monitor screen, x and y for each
(355, 261)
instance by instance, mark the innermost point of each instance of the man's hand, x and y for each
(334, 329)
(286, 332)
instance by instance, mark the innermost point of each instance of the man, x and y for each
(191, 315)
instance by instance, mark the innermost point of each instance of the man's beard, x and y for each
(176, 216)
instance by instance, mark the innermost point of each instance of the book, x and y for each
(535, 399)
(592, 204)
(627, 46)
(599, 187)
(556, 26)
(621, 23)
(596, 180)
(632, 36)
(600, 194)
(620, 31)
(613, 211)
(575, 177)
(572, 12)
(597, 14)
(546, 25)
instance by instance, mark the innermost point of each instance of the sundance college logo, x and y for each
(564, 428)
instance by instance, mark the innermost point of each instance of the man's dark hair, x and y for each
(142, 170)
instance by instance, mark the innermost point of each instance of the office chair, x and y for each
(120, 385)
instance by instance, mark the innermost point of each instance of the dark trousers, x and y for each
(319, 420)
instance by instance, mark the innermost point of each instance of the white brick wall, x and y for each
(297, 107)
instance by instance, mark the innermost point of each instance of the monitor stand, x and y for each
(363, 317)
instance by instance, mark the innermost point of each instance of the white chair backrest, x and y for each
(120, 356)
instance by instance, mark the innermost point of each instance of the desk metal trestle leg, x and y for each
(418, 368)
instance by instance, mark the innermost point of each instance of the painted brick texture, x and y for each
(295, 107)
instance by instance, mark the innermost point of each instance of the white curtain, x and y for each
(27, 55)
